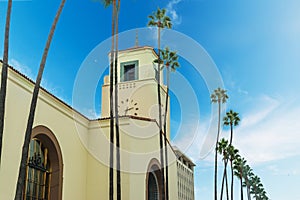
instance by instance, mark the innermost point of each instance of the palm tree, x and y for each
(233, 153)
(239, 165)
(160, 20)
(170, 60)
(219, 96)
(4, 73)
(114, 107)
(222, 149)
(22, 168)
(232, 119)
(111, 113)
(257, 188)
(247, 174)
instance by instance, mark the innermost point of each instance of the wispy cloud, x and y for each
(58, 91)
(194, 140)
(265, 105)
(21, 67)
(171, 11)
(90, 113)
(277, 171)
(269, 131)
(48, 85)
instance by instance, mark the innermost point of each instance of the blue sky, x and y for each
(254, 45)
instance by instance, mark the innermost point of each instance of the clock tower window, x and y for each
(129, 71)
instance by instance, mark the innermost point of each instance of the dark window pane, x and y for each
(38, 180)
(129, 72)
(152, 187)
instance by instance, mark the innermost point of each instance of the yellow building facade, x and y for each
(69, 153)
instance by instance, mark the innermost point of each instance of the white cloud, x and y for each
(23, 68)
(171, 11)
(264, 106)
(90, 113)
(197, 140)
(269, 131)
(284, 169)
(55, 90)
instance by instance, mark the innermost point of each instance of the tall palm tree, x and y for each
(233, 153)
(219, 96)
(222, 149)
(170, 61)
(114, 107)
(247, 174)
(239, 165)
(22, 168)
(4, 73)
(160, 20)
(231, 119)
(111, 113)
(257, 188)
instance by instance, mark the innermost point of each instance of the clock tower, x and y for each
(137, 84)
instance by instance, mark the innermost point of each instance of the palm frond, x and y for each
(151, 17)
(107, 3)
(152, 23)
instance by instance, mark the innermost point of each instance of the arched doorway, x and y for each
(44, 167)
(153, 181)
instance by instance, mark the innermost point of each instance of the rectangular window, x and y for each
(129, 71)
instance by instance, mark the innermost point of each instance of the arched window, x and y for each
(38, 172)
(44, 172)
(154, 181)
(152, 187)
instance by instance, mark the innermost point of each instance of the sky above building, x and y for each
(251, 47)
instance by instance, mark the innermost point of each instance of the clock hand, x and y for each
(128, 109)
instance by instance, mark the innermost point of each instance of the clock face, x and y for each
(128, 107)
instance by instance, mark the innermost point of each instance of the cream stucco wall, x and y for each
(142, 91)
(54, 115)
(85, 143)
(139, 145)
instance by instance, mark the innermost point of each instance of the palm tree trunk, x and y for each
(4, 74)
(232, 176)
(231, 133)
(223, 180)
(241, 182)
(160, 121)
(116, 108)
(23, 163)
(216, 152)
(165, 131)
(111, 113)
(167, 99)
(226, 182)
(248, 189)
